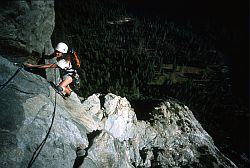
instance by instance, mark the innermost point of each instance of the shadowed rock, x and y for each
(27, 26)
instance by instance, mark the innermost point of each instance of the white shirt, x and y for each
(63, 64)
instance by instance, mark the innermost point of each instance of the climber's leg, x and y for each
(65, 85)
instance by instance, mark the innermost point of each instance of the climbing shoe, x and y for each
(60, 90)
(80, 152)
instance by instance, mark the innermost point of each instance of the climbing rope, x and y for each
(6, 83)
(39, 148)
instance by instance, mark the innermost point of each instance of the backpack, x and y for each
(76, 64)
(74, 58)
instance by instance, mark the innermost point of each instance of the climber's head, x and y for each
(61, 48)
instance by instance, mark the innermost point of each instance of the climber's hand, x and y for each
(27, 65)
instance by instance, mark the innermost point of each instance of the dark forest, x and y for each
(195, 52)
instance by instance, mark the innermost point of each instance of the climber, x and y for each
(64, 63)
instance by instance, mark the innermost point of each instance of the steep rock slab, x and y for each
(27, 104)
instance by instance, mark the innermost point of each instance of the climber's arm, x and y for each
(41, 66)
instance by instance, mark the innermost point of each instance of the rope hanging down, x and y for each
(39, 148)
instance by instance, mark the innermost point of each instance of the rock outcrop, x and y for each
(27, 26)
(101, 131)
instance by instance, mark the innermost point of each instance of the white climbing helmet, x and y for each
(62, 47)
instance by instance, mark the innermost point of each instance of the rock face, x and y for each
(27, 25)
(101, 131)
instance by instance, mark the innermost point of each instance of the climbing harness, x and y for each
(76, 82)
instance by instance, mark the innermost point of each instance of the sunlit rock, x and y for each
(120, 117)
